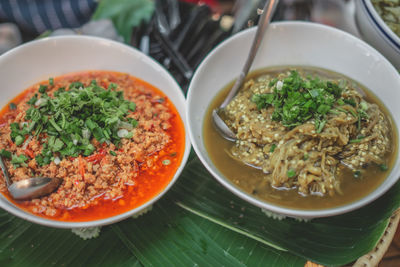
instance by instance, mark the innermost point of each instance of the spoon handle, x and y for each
(263, 23)
(5, 172)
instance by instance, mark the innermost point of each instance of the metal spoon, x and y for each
(29, 188)
(265, 19)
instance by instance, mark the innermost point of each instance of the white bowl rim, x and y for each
(119, 217)
(378, 21)
(295, 213)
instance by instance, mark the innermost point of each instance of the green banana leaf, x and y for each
(199, 223)
(25, 244)
(329, 241)
(170, 236)
(167, 236)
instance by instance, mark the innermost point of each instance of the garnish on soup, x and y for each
(389, 11)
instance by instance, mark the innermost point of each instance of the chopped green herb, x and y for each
(55, 144)
(54, 124)
(340, 102)
(363, 105)
(6, 154)
(132, 106)
(129, 135)
(350, 101)
(342, 110)
(19, 160)
(19, 140)
(362, 114)
(60, 90)
(42, 89)
(112, 86)
(383, 167)
(272, 149)
(51, 81)
(42, 160)
(133, 122)
(334, 111)
(298, 100)
(13, 106)
(353, 113)
(33, 100)
(358, 140)
(76, 85)
(291, 173)
(72, 117)
(306, 156)
(273, 82)
(319, 125)
(166, 162)
(113, 153)
(357, 174)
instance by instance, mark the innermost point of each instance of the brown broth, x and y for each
(252, 181)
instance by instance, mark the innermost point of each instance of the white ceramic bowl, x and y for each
(50, 57)
(292, 44)
(375, 31)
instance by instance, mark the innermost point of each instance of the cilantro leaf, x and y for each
(70, 118)
(300, 99)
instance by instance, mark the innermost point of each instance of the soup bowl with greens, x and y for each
(379, 24)
(99, 115)
(315, 121)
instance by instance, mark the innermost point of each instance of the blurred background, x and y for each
(176, 33)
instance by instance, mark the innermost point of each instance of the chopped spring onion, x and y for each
(19, 140)
(363, 105)
(125, 125)
(41, 102)
(57, 160)
(122, 133)
(71, 117)
(291, 173)
(19, 160)
(383, 167)
(86, 133)
(42, 89)
(23, 124)
(6, 154)
(350, 101)
(296, 100)
(352, 112)
(27, 141)
(358, 140)
(272, 149)
(340, 102)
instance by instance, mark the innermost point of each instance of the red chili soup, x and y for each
(115, 140)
